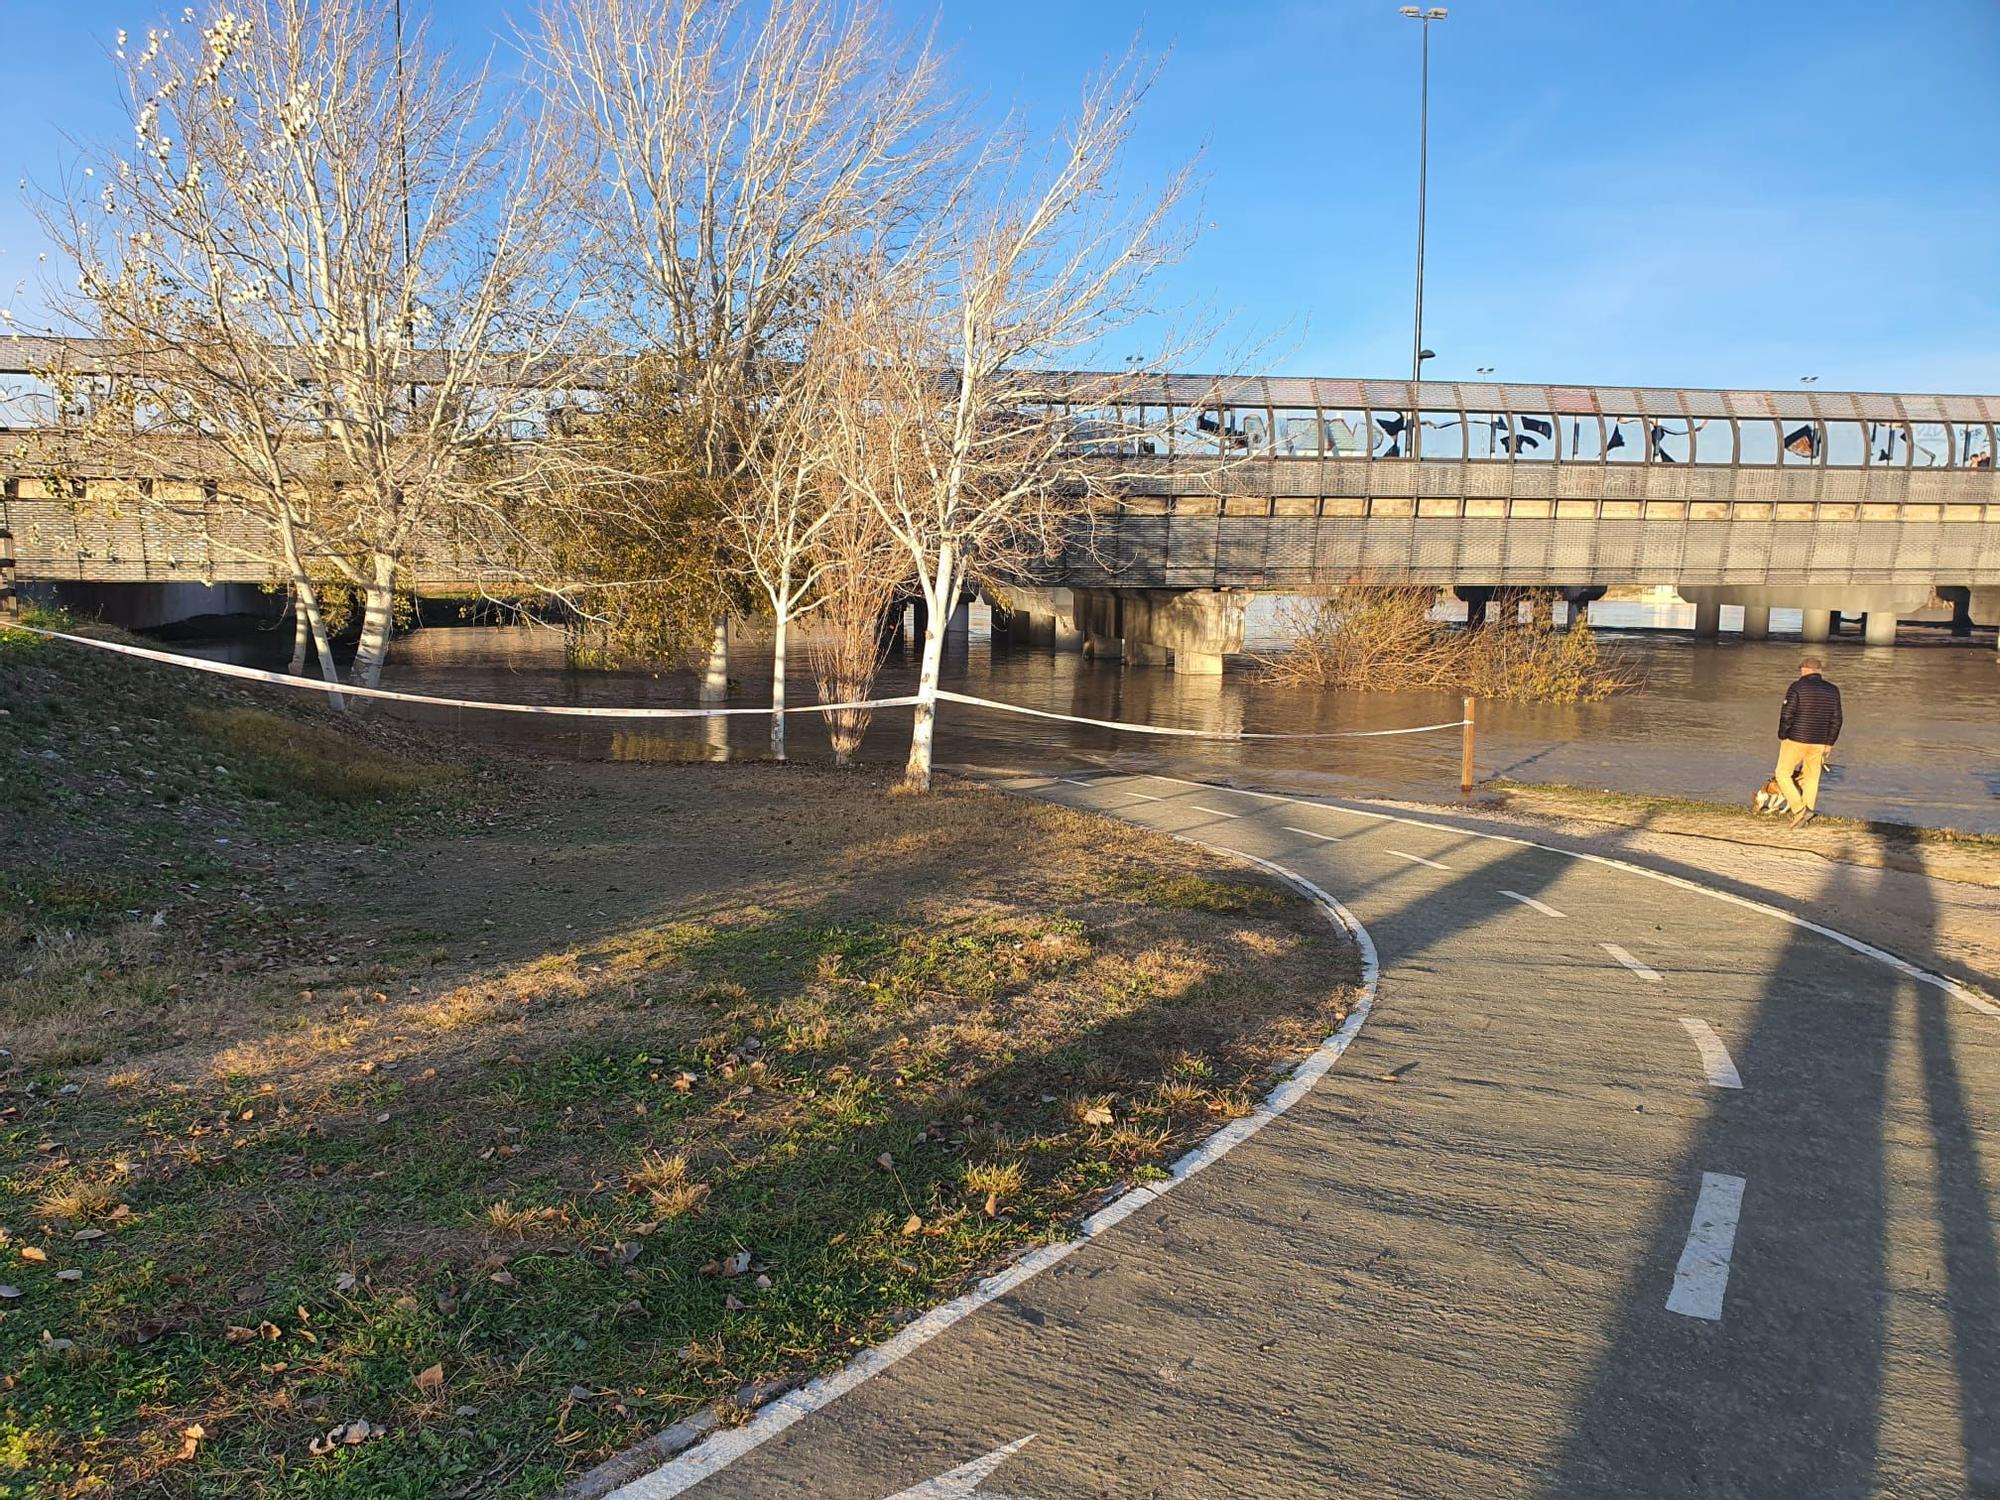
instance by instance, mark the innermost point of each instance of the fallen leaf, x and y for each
(992, 1205)
(501, 1278)
(430, 1378)
(582, 1393)
(730, 1303)
(763, 1283)
(55, 1345)
(237, 1334)
(344, 1282)
(912, 1224)
(84, 1235)
(886, 1162)
(191, 1437)
(9, 1293)
(736, 1264)
(72, 1274)
(34, 1253)
(270, 1330)
(1097, 1114)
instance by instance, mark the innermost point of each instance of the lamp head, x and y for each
(1436, 13)
(1412, 12)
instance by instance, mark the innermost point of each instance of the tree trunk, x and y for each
(378, 622)
(307, 599)
(778, 686)
(301, 634)
(917, 775)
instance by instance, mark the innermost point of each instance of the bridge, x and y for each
(1828, 502)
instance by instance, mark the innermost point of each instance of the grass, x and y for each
(1628, 806)
(287, 757)
(609, 1100)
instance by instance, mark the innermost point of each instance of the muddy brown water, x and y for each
(1922, 744)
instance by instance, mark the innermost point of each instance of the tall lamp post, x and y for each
(1426, 16)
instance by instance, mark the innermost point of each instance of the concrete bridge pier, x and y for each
(1820, 606)
(1959, 597)
(1878, 627)
(1475, 596)
(1191, 628)
(1983, 604)
(1580, 600)
(1040, 616)
(1707, 620)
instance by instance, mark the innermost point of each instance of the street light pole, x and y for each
(1426, 16)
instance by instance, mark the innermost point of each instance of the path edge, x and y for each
(707, 1452)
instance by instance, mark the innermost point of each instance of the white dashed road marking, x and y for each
(1630, 962)
(1329, 837)
(1213, 812)
(1714, 1056)
(963, 1482)
(1543, 907)
(1416, 859)
(1703, 1274)
(1145, 797)
(1076, 781)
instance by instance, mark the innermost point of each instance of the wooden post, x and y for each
(1465, 752)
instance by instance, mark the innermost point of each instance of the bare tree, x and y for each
(324, 271)
(784, 512)
(734, 154)
(956, 430)
(863, 571)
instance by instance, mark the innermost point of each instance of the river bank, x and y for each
(382, 1117)
(1921, 748)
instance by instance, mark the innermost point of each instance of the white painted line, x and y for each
(1416, 859)
(1630, 962)
(1145, 796)
(1076, 781)
(1542, 907)
(1213, 812)
(964, 1481)
(1714, 1056)
(1331, 838)
(1960, 992)
(1703, 1274)
(683, 1472)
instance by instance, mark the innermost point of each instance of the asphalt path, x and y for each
(1622, 1190)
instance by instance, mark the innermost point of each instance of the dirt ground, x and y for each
(450, 1139)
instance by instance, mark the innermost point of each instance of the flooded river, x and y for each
(1922, 743)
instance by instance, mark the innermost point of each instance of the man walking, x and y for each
(1808, 726)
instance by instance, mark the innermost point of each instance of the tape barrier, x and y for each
(1196, 734)
(566, 710)
(317, 685)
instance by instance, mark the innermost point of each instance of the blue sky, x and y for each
(1702, 192)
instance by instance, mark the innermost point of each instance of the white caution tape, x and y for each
(316, 685)
(1195, 734)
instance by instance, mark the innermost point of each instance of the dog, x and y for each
(1768, 799)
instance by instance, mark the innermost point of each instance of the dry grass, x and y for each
(78, 1200)
(520, 1111)
(316, 758)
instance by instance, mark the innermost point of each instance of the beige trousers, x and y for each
(1804, 762)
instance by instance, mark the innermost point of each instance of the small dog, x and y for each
(1769, 799)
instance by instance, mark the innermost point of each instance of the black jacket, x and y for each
(1811, 714)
